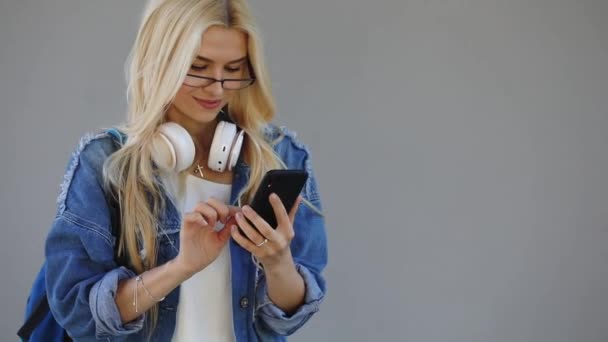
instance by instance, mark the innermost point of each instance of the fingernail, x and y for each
(274, 196)
(239, 216)
(233, 228)
(246, 209)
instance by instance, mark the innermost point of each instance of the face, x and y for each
(222, 55)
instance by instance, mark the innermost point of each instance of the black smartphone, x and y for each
(287, 184)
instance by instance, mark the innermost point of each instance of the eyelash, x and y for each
(201, 68)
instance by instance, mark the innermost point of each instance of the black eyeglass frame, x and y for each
(250, 80)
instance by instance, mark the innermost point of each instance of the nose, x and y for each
(215, 89)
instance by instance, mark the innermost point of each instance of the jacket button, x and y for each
(244, 302)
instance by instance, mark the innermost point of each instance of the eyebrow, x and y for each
(204, 59)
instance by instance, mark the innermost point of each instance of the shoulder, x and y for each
(98, 145)
(294, 153)
(84, 170)
(286, 143)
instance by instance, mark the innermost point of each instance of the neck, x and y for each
(201, 132)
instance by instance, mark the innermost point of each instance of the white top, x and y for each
(204, 312)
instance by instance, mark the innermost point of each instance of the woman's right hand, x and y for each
(200, 244)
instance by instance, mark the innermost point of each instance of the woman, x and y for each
(178, 269)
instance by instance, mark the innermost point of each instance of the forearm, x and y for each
(159, 281)
(286, 287)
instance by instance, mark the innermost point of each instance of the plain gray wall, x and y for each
(460, 146)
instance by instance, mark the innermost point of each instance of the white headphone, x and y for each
(174, 150)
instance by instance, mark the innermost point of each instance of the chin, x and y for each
(204, 116)
(193, 113)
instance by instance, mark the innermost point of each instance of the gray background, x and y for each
(460, 147)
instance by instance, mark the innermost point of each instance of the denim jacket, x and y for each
(83, 274)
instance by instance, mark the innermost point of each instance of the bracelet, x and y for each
(135, 301)
(139, 278)
(135, 296)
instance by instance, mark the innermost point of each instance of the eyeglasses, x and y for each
(227, 83)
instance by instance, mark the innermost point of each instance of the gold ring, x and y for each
(262, 243)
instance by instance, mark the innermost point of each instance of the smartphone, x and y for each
(287, 184)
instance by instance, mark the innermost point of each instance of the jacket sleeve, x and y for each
(82, 275)
(309, 250)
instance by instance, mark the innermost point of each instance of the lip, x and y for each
(208, 104)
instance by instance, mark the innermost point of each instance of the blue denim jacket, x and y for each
(82, 274)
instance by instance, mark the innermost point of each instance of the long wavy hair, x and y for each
(167, 42)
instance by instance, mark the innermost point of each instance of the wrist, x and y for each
(282, 268)
(178, 270)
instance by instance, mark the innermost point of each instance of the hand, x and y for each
(200, 244)
(275, 251)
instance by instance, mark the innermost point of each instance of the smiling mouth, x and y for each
(208, 104)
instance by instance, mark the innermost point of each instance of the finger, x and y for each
(224, 234)
(262, 227)
(279, 210)
(250, 232)
(255, 219)
(260, 224)
(231, 221)
(194, 218)
(220, 207)
(232, 210)
(208, 213)
(241, 240)
(294, 209)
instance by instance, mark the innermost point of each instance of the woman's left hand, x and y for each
(270, 246)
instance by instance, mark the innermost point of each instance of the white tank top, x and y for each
(204, 311)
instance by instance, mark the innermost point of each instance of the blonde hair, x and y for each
(167, 42)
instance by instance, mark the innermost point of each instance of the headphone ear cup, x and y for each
(163, 153)
(221, 145)
(235, 151)
(173, 148)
